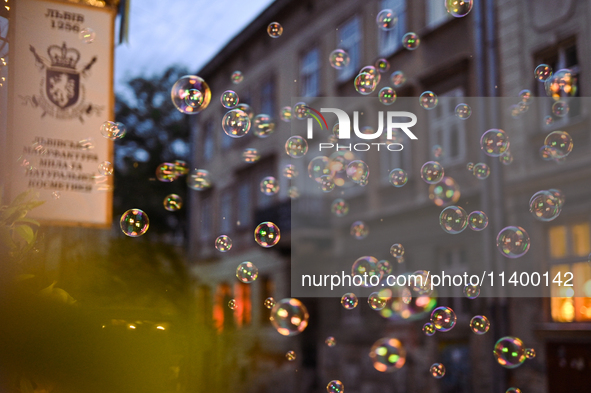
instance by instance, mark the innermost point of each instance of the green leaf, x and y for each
(26, 233)
(6, 238)
(28, 221)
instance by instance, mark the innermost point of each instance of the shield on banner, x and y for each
(62, 86)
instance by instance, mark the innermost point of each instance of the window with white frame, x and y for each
(447, 130)
(436, 13)
(391, 40)
(268, 97)
(310, 73)
(349, 40)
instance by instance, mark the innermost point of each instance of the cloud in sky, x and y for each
(184, 32)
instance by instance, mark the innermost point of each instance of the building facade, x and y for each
(490, 53)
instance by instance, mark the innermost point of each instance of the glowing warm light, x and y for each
(160, 328)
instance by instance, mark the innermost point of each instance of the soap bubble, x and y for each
(506, 158)
(428, 100)
(269, 303)
(335, 386)
(548, 120)
(453, 219)
(269, 185)
(525, 96)
(558, 195)
(429, 329)
(87, 35)
(301, 111)
(339, 207)
(543, 72)
(318, 167)
(134, 223)
(437, 370)
(560, 144)
(382, 65)
(560, 109)
(481, 171)
(398, 78)
(387, 354)
(530, 353)
(250, 155)
(544, 206)
(398, 177)
(411, 41)
(56, 194)
(437, 151)
(477, 220)
(376, 302)
(339, 59)
(290, 171)
(172, 202)
(232, 304)
(237, 77)
(471, 291)
(267, 234)
(479, 324)
(445, 192)
(359, 230)
(296, 146)
(494, 142)
(513, 242)
(199, 179)
(105, 168)
(421, 282)
(190, 94)
(327, 183)
(286, 114)
(275, 30)
(263, 126)
(290, 356)
(443, 318)
(365, 83)
(349, 301)
(246, 272)
(229, 99)
(246, 109)
(358, 171)
(113, 130)
(387, 96)
(166, 172)
(432, 172)
(330, 341)
(384, 267)
(236, 123)
(509, 352)
(223, 243)
(458, 8)
(513, 390)
(289, 317)
(397, 250)
(366, 266)
(561, 84)
(386, 19)
(180, 168)
(470, 166)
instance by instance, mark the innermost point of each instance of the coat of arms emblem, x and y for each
(62, 92)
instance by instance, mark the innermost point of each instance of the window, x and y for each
(243, 310)
(349, 40)
(267, 290)
(436, 13)
(205, 227)
(244, 205)
(310, 73)
(569, 248)
(208, 141)
(559, 57)
(226, 207)
(391, 40)
(447, 130)
(222, 314)
(268, 97)
(395, 159)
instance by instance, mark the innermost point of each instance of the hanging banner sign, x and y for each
(61, 91)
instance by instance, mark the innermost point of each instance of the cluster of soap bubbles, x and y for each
(367, 80)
